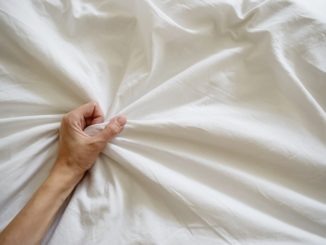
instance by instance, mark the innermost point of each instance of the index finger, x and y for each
(91, 113)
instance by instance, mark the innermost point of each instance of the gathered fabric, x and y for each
(226, 135)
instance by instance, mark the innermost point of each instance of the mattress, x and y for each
(225, 99)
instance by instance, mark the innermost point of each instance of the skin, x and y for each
(77, 154)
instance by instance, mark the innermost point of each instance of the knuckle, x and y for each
(115, 129)
(68, 118)
(65, 122)
(65, 118)
(109, 132)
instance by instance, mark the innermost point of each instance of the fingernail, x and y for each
(122, 120)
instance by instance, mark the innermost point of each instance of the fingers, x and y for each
(90, 113)
(97, 116)
(114, 127)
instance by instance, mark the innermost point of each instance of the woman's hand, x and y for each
(77, 154)
(77, 150)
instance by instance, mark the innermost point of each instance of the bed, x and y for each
(225, 99)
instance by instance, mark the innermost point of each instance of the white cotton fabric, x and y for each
(226, 135)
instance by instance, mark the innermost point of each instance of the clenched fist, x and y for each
(78, 150)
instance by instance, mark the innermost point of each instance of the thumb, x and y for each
(113, 128)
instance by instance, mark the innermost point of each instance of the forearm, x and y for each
(77, 153)
(33, 221)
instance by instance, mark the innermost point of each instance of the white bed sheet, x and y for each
(226, 135)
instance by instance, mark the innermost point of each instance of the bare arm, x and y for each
(77, 154)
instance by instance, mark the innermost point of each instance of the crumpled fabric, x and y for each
(226, 135)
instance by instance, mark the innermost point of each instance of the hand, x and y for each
(77, 154)
(77, 150)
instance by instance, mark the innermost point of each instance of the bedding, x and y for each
(225, 99)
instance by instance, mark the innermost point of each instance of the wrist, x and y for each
(63, 176)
